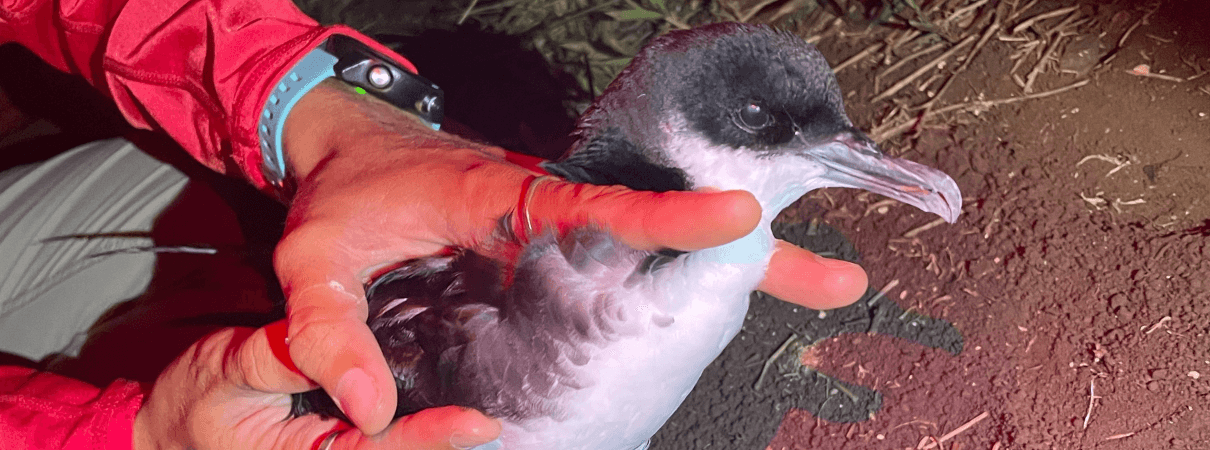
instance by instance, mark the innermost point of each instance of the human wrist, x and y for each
(360, 63)
(333, 120)
(310, 131)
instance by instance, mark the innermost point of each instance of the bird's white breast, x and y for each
(674, 322)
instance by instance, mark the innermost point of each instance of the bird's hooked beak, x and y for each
(853, 160)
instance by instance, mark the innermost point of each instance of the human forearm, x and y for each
(200, 71)
(44, 411)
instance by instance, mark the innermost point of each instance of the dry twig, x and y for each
(1056, 36)
(987, 34)
(1141, 20)
(909, 58)
(880, 135)
(882, 204)
(1040, 17)
(925, 68)
(858, 57)
(1018, 11)
(920, 229)
(1092, 397)
(1144, 70)
(773, 359)
(963, 11)
(1159, 324)
(882, 292)
(957, 431)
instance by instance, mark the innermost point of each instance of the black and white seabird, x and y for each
(592, 345)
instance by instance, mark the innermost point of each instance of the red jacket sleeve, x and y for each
(199, 70)
(43, 411)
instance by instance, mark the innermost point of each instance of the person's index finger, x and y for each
(648, 220)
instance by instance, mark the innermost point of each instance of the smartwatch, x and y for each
(349, 60)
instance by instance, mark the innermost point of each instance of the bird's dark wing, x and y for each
(463, 330)
(424, 314)
(608, 158)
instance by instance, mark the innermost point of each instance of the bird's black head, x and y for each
(747, 86)
(738, 106)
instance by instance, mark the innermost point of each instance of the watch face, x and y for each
(364, 67)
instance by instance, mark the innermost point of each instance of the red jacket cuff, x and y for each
(46, 411)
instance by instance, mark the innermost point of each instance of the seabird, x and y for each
(585, 343)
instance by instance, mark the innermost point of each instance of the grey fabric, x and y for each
(55, 217)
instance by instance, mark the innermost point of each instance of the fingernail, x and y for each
(464, 441)
(354, 391)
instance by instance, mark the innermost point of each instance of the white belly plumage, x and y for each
(670, 325)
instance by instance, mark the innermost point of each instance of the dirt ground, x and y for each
(1066, 309)
(1077, 275)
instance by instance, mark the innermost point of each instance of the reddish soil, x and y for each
(1057, 276)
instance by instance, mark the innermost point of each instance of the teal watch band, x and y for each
(312, 69)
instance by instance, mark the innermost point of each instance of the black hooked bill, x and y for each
(591, 344)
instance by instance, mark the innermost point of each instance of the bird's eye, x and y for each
(754, 117)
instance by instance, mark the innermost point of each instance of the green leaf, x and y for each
(635, 14)
(616, 62)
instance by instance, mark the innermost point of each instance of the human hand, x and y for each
(231, 391)
(377, 187)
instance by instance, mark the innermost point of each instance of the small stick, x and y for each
(875, 206)
(772, 359)
(1158, 324)
(1106, 158)
(925, 68)
(987, 230)
(985, 104)
(754, 10)
(925, 441)
(1166, 41)
(467, 12)
(909, 58)
(1056, 36)
(1042, 60)
(1120, 436)
(1143, 71)
(1126, 35)
(957, 431)
(882, 293)
(920, 229)
(1005, 101)
(991, 30)
(157, 249)
(1092, 397)
(889, 118)
(1030, 21)
(1017, 12)
(786, 9)
(858, 57)
(963, 10)
(907, 37)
